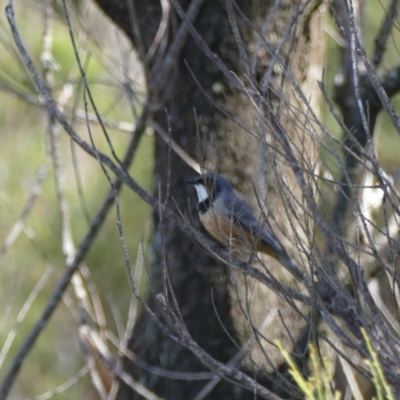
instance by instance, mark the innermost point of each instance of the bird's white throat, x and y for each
(201, 192)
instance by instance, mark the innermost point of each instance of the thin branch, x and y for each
(85, 244)
(383, 36)
(21, 315)
(161, 73)
(26, 211)
(166, 373)
(98, 347)
(64, 386)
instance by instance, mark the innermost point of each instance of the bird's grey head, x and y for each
(209, 186)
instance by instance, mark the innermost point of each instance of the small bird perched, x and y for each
(230, 220)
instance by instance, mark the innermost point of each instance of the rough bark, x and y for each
(190, 102)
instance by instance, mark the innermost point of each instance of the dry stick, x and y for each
(276, 51)
(132, 318)
(228, 372)
(243, 350)
(98, 348)
(281, 136)
(80, 254)
(122, 174)
(126, 127)
(5, 387)
(21, 315)
(200, 43)
(327, 290)
(129, 154)
(160, 39)
(94, 296)
(322, 223)
(238, 39)
(381, 40)
(277, 129)
(365, 125)
(354, 129)
(64, 386)
(26, 211)
(302, 97)
(263, 30)
(108, 122)
(15, 366)
(377, 85)
(160, 74)
(63, 283)
(68, 246)
(184, 156)
(90, 356)
(165, 373)
(388, 86)
(356, 42)
(122, 126)
(137, 386)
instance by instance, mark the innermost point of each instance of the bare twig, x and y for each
(26, 211)
(68, 246)
(64, 386)
(21, 315)
(99, 348)
(160, 73)
(81, 250)
(383, 36)
(178, 375)
(175, 147)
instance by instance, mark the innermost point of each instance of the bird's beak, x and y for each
(191, 181)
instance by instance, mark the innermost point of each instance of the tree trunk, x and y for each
(201, 106)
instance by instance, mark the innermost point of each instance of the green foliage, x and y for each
(381, 385)
(317, 386)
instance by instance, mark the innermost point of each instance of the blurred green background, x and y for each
(114, 76)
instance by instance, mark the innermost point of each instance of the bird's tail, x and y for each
(290, 265)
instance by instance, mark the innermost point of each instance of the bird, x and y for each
(230, 220)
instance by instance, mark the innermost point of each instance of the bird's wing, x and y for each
(244, 216)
